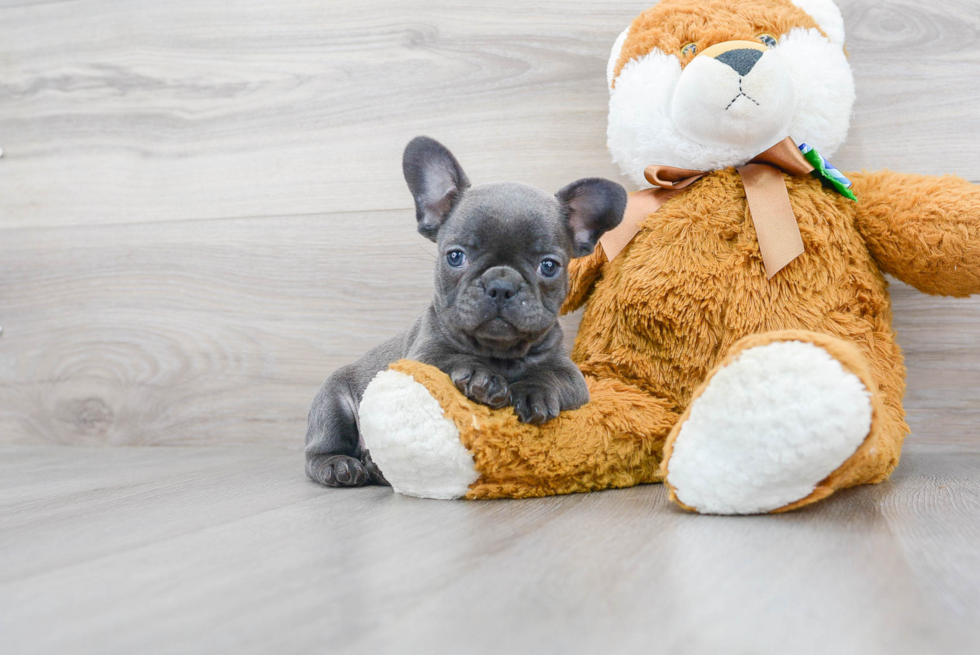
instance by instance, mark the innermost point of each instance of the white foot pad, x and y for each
(767, 429)
(413, 443)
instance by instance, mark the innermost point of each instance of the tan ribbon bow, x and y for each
(765, 189)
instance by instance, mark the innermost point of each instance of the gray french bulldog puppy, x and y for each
(493, 323)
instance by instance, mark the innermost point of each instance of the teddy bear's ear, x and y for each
(828, 17)
(436, 181)
(617, 50)
(592, 206)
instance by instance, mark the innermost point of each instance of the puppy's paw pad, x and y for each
(340, 471)
(482, 386)
(536, 405)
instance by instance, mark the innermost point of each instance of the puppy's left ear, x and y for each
(592, 207)
(436, 181)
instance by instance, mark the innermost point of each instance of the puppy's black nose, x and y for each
(501, 290)
(742, 60)
(502, 283)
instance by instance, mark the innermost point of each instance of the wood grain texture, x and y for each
(196, 332)
(114, 111)
(210, 332)
(128, 111)
(176, 550)
(202, 212)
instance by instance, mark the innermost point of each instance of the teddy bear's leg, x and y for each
(430, 441)
(786, 419)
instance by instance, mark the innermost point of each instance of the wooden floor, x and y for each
(185, 550)
(202, 214)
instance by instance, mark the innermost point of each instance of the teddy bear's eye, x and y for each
(689, 49)
(768, 40)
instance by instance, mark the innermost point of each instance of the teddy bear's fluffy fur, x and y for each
(689, 296)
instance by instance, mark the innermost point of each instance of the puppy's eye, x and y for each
(768, 40)
(456, 258)
(689, 49)
(549, 267)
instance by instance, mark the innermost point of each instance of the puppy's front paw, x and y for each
(338, 471)
(535, 404)
(481, 385)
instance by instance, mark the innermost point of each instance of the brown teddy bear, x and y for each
(737, 337)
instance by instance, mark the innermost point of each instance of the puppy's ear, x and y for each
(435, 179)
(592, 207)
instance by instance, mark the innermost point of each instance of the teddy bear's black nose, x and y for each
(741, 60)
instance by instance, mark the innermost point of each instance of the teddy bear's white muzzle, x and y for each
(742, 98)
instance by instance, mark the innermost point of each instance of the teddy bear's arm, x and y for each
(923, 230)
(583, 273)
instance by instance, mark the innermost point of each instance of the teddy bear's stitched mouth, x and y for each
(741, 94)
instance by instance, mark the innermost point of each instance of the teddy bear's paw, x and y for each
(416, 447)
(767, 429)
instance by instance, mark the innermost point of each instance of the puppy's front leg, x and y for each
(546, 391)
(333, 454)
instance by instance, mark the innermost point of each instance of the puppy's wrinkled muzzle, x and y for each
(500, 306)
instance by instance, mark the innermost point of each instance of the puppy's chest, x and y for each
(511, 369)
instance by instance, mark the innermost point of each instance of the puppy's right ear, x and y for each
(435, 179)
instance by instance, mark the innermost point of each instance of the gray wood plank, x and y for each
(196, 332)
(886, 569)
(916, 65)
(114, 112)
(936, 526)
(117, 111)
(211, 332)
(57, 510)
